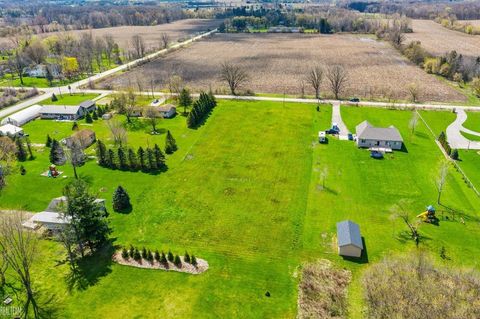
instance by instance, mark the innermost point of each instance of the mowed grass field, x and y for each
(439, 40)
(245, 192)
(278, 63)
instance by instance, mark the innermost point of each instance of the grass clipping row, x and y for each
(323, 291)
(414, 287)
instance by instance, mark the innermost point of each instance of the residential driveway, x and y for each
(455, 138)
(337, 118)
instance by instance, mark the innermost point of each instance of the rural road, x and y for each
(455, 137)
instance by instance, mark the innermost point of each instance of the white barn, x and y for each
(11, 130)
(349, 239)
(24, 116)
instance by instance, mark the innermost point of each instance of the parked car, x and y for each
(376, 154)
(355, 100)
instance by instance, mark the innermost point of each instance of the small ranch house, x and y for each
(349, 239)
(67, 112)
(167, 110)
(381, 137)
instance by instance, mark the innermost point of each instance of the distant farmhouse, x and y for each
(167, 110)
(381, 137)
(349, 239)
(67, 112)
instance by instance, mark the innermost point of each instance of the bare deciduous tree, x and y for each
(19, 248)
(175, 84)
(153, 116)
(164, 40)
(315, 78)
(441, 179)
(337, 77)
(234, 75)
(76, 155)
(119, 133)
(18, 63)
(399, 211)
(414, 91)
(396, 36)
(109, 47)
(413, 122)
(138, 46)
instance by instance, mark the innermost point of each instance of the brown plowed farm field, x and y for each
(151, 34)
(439, 40)
(277, 63)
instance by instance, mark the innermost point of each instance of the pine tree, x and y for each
(111, 161)
(57, 154)
(193, 260)
(191, 119)
(121, 200)
(29, 148)
(131, 251)
(136, 255)
(142, 159)
(454, 154)
(48, 143)
(157, 256)
(163, 258)
(186, 258)
(54, 98)
(177, 261)
(184, 100)
(170, 256)
(74, 126)
(151, 163)
(132, 160)
(88, 118)
(159, 157)
(124, 253)
(95, 115)
(170, 143)
(122, 159)
(144, 253)
(21, 152)
(101, 153)
(150, 256)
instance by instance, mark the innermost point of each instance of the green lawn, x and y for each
(469, 163)
(244, 191)
(473, 121)
(67, 99)
(470, 137)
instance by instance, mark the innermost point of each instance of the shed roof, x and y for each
(348, 233)
(10, 129)
(87, 103)
(50, 217)
(24, 115)
(60, 109)
(54, 203)
(366, 131)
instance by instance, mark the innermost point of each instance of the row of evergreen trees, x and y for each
(96, 114)
(146, 254)
(442, 139)
(201, 109)
(145, 160)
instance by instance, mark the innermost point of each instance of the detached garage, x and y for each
(349, 239)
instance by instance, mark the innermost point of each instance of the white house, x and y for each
(381, 137)
(349, 239)
(24, 116)
(11, 130)
(40, 71)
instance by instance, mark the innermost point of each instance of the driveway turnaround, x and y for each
(455, 137)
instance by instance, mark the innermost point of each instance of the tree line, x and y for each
(143, 159)
(201, 109)
(162, 258)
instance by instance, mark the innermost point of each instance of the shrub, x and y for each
(186, 258)
(157, 256)
(136, 255)
(131, 252)
(170, 256)
(163, 258)
(121, 200)
(23, 171)
(74, 126)
(88, 118)
(454, 154)
(177, 261)
(125, 253)
(144, 253)
(54, 97)
(150, 256)
(193, 260)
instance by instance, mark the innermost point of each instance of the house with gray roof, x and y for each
(67, 112)
(349, 239)
(378, 137)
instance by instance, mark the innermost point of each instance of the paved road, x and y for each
(337, 118)
(455, 138)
